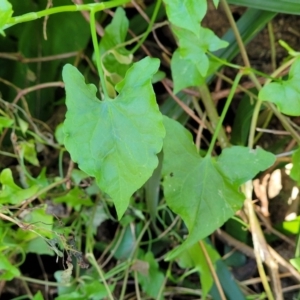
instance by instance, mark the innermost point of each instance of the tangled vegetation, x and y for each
(139, 151)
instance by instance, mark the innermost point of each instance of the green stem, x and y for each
(281, 117)
(225, 109)
(272, 45)
(43, 282)
(213, 114)
(93, 261)
(67, 8)
(153, 18)
(97, 53)
(234, 66)
(240, 43)
(265, 125)
(236, 33)
(253, 123)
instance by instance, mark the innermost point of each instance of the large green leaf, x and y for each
(186, 14)
(115, 140)
(286, 94)
(197, 188)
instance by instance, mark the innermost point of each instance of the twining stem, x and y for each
(281, 117)
(239, 42)
(224, 112)
(150, 25)
(97, 53)
(66, 8)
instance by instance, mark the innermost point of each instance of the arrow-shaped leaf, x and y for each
(197, 189)
(117, 140)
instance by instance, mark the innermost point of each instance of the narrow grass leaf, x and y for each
(279, 6)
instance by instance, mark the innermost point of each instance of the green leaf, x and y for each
(151, 282)
(10, 271)
(23, 125)
(295, 171)
(228, 283)
(190, 187)
(116, 60)
(27, 151)
(38, 246)
(75, 198)
(295, 262)
(5, 122)
(205, 192)
(127, 244)
(5, 14)
(117, 140)
(95, 290)
(78, 175)
(186, 14)
(193, 257)
(289, 227)
(11, 193)
(193, 47)
(242, 121)
(216, 3)
(59, 133)
(286, 95)
(185, 72)
(38, 296)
